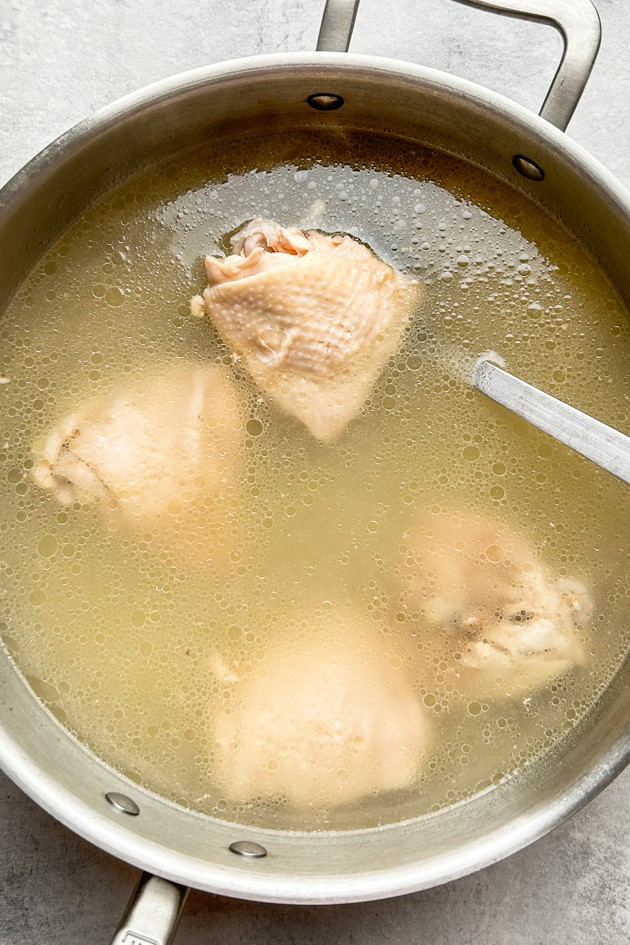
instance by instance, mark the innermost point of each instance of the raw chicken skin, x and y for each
(315, 317)
(511, 625)
(322, 720)
(150, 448)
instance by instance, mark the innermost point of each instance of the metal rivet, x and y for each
(248, 848)
(325, 101)
(527, 167)
(123, 803)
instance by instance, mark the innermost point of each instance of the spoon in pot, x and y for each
(600, 443)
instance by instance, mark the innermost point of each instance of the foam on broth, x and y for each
(116, 636)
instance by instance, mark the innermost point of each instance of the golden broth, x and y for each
(117, 637)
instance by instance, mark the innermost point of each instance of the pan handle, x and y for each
(577, 20)
(152, 914)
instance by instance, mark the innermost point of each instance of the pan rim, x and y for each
(372, 884)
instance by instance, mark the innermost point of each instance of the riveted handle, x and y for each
(152, 914)
(577, 21)
(335, 32)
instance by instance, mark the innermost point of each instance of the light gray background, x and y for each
(59, 61)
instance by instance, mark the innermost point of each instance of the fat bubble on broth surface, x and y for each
(149, 450)
(326, 717)
(511, 625)
(315, 318)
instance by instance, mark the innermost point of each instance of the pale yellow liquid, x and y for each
(117, 637)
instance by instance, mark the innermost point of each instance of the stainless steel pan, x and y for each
(534, 155)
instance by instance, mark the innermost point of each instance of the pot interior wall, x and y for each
(326, 867)
(210, 107)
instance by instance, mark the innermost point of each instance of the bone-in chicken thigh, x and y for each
(315, 318)
(510, 625)
(323, 719)
(150, 449)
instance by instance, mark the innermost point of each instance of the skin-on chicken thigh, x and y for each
(150, 449)
(322, 720)
(510, 625)
(315, 318)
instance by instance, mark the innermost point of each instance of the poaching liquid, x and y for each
(121, 640)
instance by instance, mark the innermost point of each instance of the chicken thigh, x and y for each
(511, 626)
(322, 720)
(315, 318)
(150, 450)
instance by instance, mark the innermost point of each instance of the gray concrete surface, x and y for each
(59, 62)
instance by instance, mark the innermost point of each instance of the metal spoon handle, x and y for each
(609, 448)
